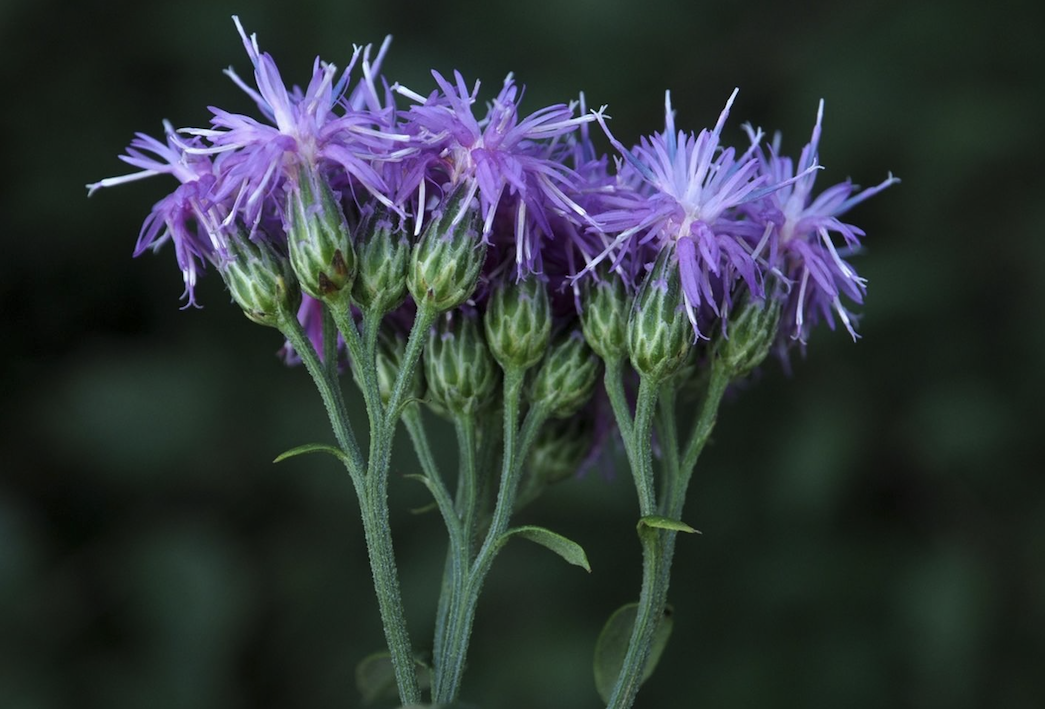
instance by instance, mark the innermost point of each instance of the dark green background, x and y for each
(874, 526)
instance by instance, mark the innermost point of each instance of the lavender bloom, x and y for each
(679, 190)
(187, 216)
(305, 133)
(503, 160)
(804, 249)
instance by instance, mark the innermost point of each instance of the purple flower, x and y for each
(303, 132)
(804, 249)
(680, 191)
(512, 165)
(187, 216)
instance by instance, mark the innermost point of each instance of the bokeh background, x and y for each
(874, 525)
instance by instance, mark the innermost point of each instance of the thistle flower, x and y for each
(804, 249)
(303, 130)
(685, 187)
(188, 216)
(505, 161)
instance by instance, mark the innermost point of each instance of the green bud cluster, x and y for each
(318, 239)
(566, 378)
(604, 316)
(462, 375)
(384, 257)
(659, 333)
(260, 280)
(448, 258)
(518, 322)
(749, 336)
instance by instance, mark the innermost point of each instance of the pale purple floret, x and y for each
(506, 162)
(804, 249)
(303, 131)
(680, 191)
(187, 217)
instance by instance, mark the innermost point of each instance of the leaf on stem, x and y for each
(658, 522)
(612, 647)
(376, 678)
(312, 448)
(568, 549)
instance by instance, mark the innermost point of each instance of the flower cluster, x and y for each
(492, 264)
(353, 150)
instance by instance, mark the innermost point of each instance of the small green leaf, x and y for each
(376, 678)
(569, 550)
(612, 646)
(312, 448)
(657, 522)
(424, 509)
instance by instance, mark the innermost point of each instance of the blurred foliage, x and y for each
(874, 525)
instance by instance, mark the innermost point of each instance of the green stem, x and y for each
(698, 438)
(658, 546)
(468, 479)
(329, 391)
(613, 381)
(462, 615)
(653, 596)
(667, 428)
(642, 445)
(373, 496)
(453, 569)
(329, 344)
(423, 320)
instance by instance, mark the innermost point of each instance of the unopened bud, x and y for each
(749, 336)
(560, 448)
(384, 255)
(318, 239)
(260, 280)
(659, 333)
(518, 322)
(604, 314)
(446, 262)
(461, 373)
(566, 378)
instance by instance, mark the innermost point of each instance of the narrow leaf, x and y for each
(657, 522)
(612, 647)
(312, 448)
(568, 549)
(375, 678)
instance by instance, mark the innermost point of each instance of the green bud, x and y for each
(566, 378)
(448, 258)
(560, 448)
(318, 239)
(261, 280)
(391, 346)
(556, 455)
(659, 333)
(604, 314)
(749, 336)
(518, 322)
(461, 373)
(384, 257)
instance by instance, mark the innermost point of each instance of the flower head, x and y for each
(509, 163)
(679, 192)
(187, 217)
(302, 129)
(804, 250)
